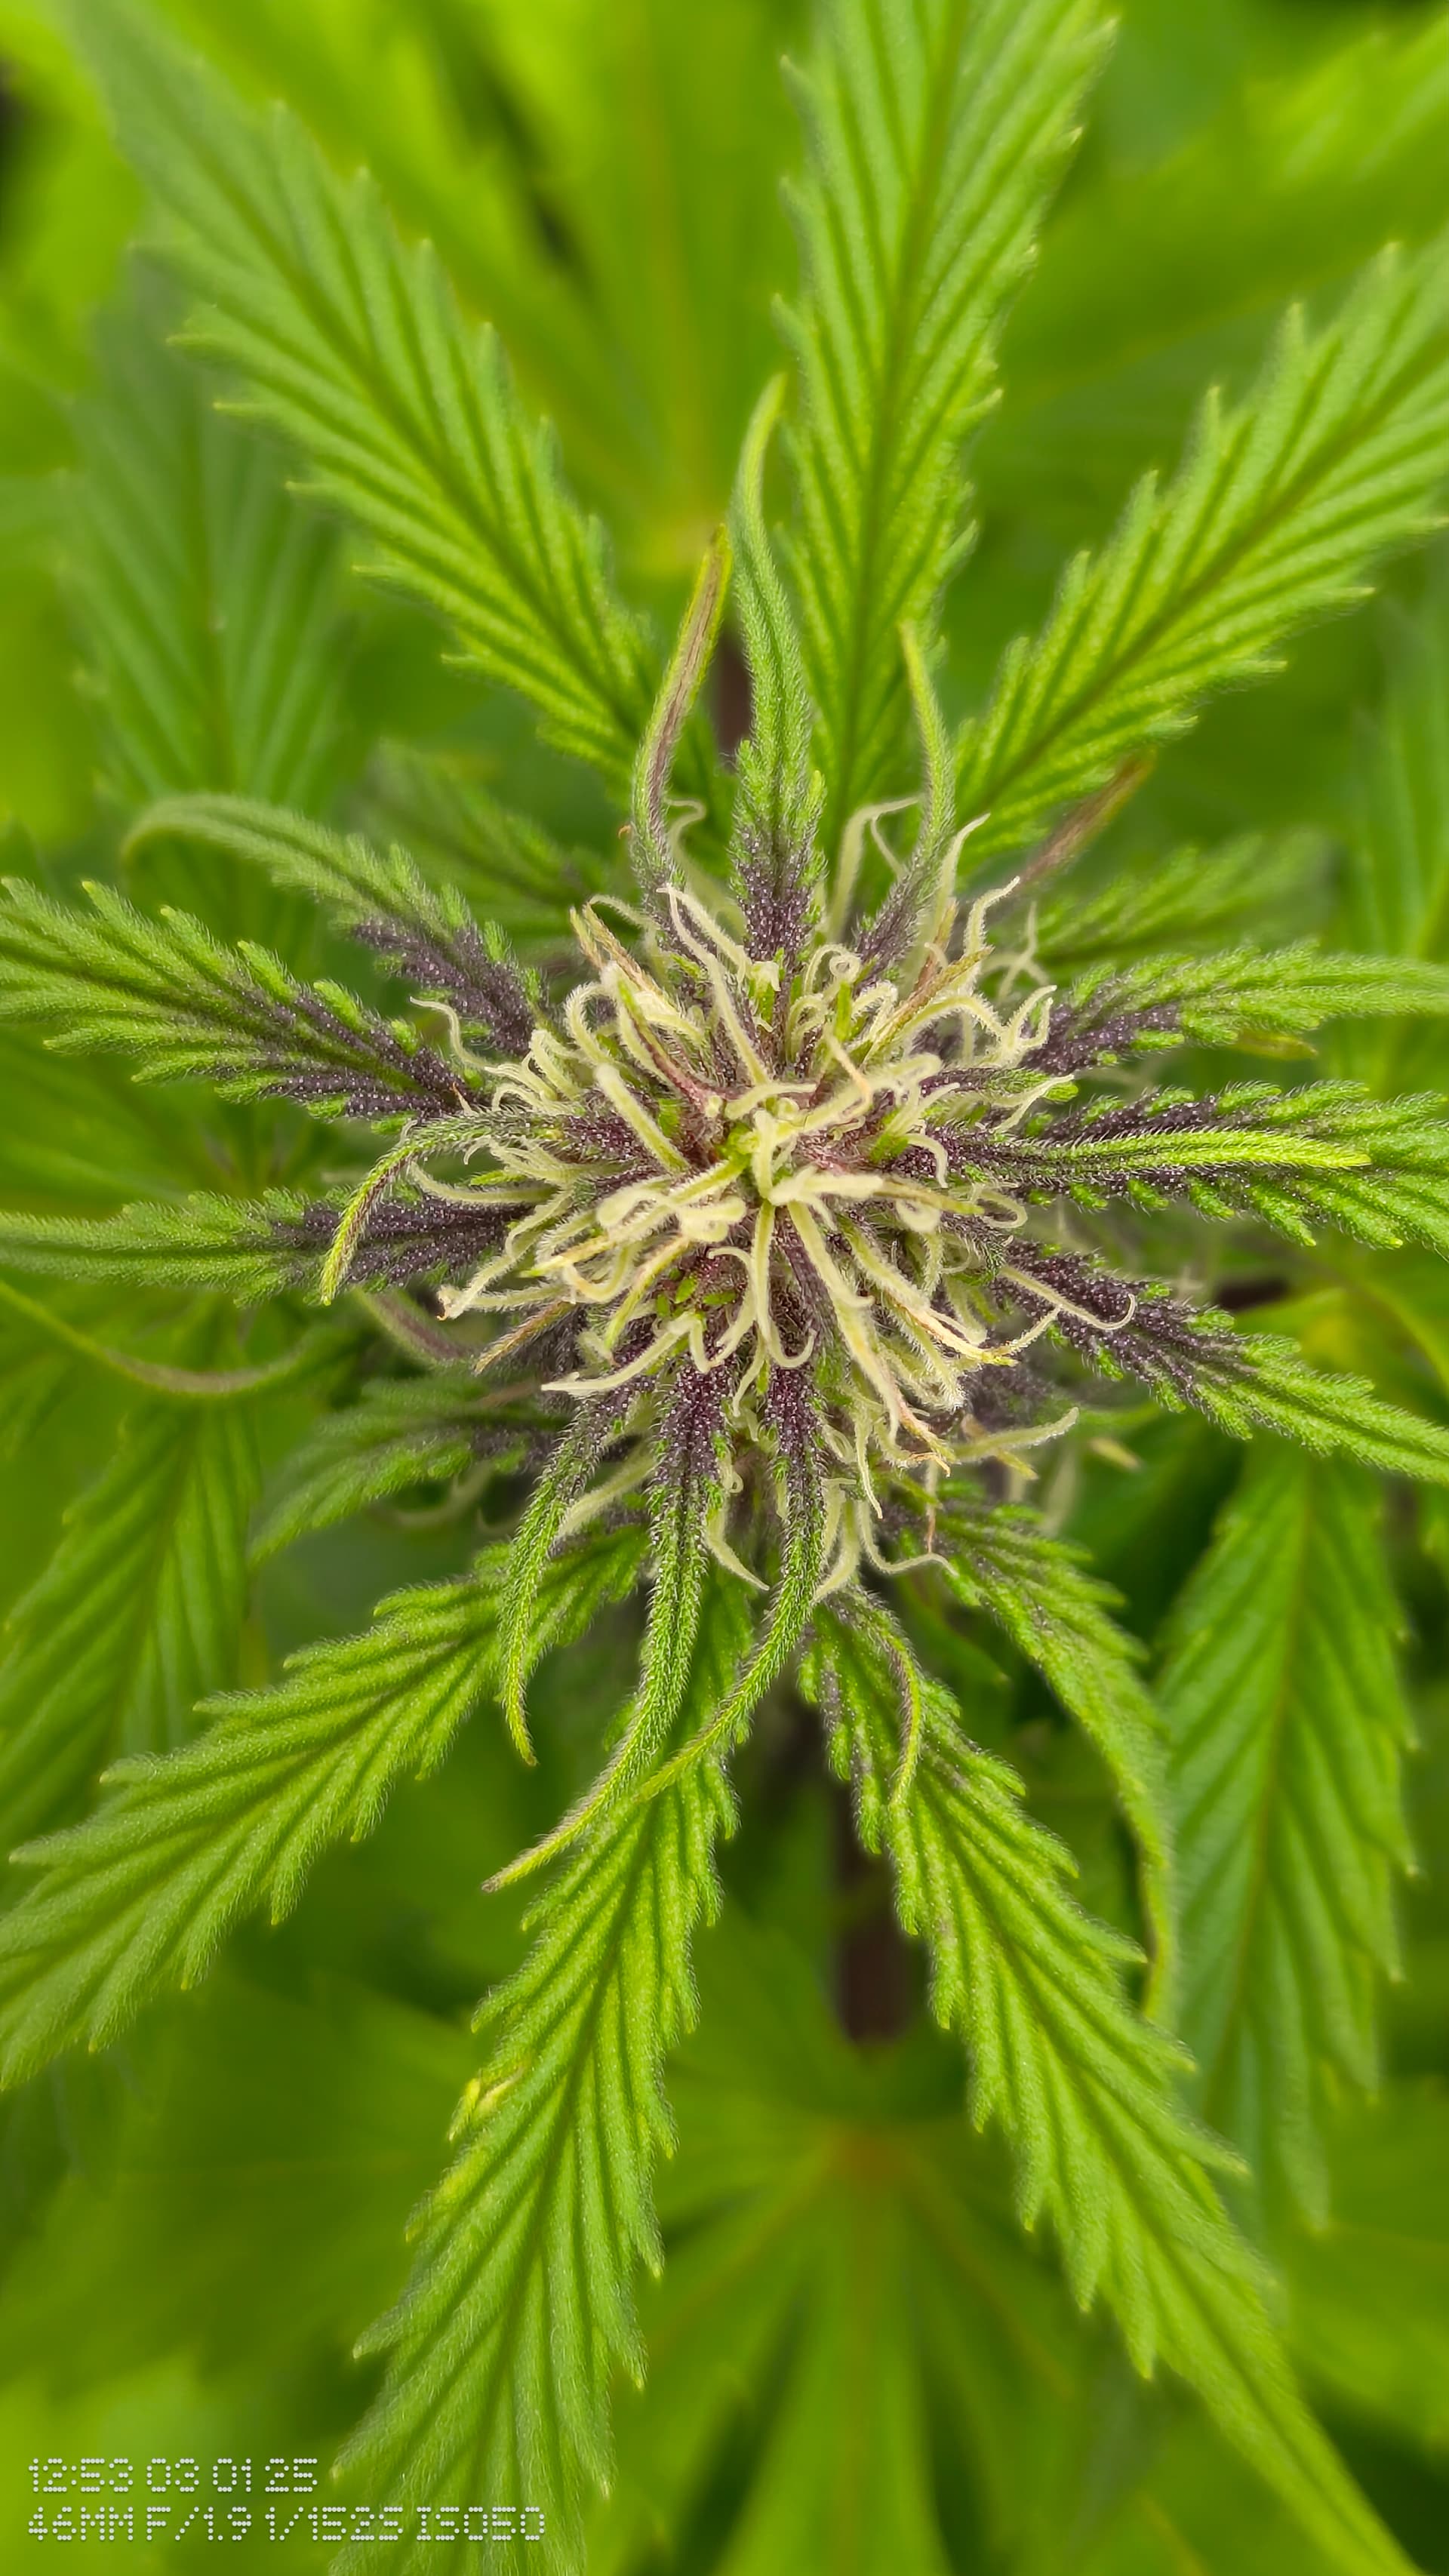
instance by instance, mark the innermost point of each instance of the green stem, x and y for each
(412, 1330)
(188, 1386)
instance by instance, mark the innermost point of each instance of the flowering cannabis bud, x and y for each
(735, 1165)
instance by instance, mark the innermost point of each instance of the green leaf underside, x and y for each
(1084, 2088)
(138, 1896)
(355, 347)
(1287, 1725)
(1277, 513)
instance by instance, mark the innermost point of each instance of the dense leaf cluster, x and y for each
(789, 1154)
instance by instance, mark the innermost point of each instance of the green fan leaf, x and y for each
(138, 1613)
(33, 1377)
(1245, 993)
(1276, 515)
(1084, 2088)
(255, 2184)
(504, 865)
(1189, 902)
(844, 2274)
(1288, 1725)
(1177, 252)
(936, 135)
(206, 599)
(355, 882)
(88, 1137)
(1241, 1381)
(820, 2495)
(139, 1896)
(403, 1432)
(355, 347)
(1369, 2289)
(171, 995)
(250, 1249)
(1396, 886)
(733, 1258)
(779, 796)
(1396, 877)
(429, 934)
(1250, 1381)
(521, 2307)
(1035, 1587)
(1326, 1154)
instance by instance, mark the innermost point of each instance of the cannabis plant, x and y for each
(752, 1211)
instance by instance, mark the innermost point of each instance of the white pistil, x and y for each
(866, 818)
(1063, 1305)
(622, 1096)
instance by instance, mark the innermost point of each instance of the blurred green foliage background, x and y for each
(194, 2230)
